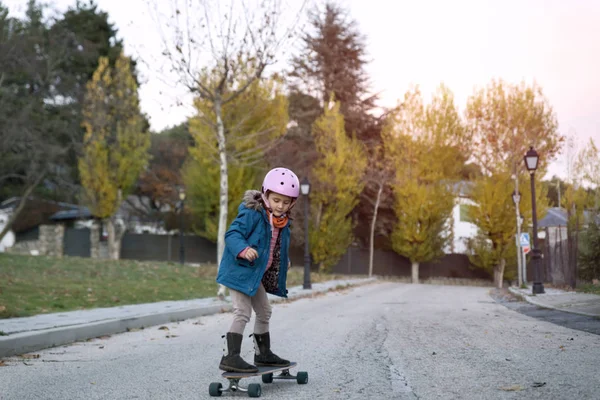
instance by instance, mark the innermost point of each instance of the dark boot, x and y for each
(233, 362)
(263, 355)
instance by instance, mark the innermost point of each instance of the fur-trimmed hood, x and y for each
(253, 200)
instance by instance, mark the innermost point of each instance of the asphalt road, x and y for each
(383, 341)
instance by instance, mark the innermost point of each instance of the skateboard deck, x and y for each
(254, 389)
(261, 371)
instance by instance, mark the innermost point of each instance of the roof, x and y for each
(78, 213)
(555, 217)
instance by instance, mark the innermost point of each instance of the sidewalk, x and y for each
(556, 299)
(39, 332)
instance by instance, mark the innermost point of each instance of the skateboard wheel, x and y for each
(302, 377)
(215, 389)
(254, 390)
(267, 378)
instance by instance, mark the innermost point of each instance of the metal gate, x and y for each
(77, 242)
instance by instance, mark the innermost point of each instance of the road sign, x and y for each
(525, 240)
(526, 249)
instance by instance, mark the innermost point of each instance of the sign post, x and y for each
(526, 246)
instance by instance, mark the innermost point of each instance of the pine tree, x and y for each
(332, 61)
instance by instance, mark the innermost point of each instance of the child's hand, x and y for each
(251, 254)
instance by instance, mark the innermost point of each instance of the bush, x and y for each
(589, 252)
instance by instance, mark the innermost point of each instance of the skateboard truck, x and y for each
(254, 389)
(216, 388)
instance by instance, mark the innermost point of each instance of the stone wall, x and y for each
(49, 243)
(95, 240)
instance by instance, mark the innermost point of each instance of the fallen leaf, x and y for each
(171, 336)
(132, 329)
(198, 323)
(514, 388)
(101, 347)
(163, 328)
(29, 356)
(3, 364)
(538, 384)
(562, 348)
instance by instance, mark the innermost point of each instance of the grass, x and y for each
(36, 285)
(589, 288)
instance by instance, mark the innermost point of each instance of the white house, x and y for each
(9, 239)
(461, 227)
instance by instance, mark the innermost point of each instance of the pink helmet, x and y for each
(282, 181)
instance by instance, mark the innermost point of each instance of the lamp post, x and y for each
(516, 196)
(181, 234)
(523, 259)
(531, 162)
(305, 189)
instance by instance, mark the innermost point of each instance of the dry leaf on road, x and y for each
(514, 388)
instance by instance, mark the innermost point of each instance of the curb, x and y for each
(26, 342)
(531, 300)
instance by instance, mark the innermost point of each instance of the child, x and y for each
(255, 262)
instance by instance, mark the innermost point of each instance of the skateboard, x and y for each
(254, 389)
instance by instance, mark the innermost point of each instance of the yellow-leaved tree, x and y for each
(337, 179)
(254, 120)
(493, 248)
(116, 143)
(505, 120)
(425, 145)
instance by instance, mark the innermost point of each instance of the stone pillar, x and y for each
(95, 240)
(59, 240)
(45, 240)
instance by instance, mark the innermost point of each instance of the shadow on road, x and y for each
(568, 320)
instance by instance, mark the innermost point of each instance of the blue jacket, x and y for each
(251, 228)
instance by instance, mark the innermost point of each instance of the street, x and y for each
(384, 340)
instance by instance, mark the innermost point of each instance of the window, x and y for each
(464, 213)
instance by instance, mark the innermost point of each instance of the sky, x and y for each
(461, 43)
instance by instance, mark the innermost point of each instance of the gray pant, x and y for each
(242, 310)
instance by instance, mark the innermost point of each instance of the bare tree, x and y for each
(218, 49)
(378, 177)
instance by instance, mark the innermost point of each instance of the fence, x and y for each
(198, 250)
(559, 262)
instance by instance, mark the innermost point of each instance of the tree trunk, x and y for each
(223, 190)
(115, 233)
(95, 240)
(373, 222)
(20, 206)
(113, 251)
(499, 274)
(415, 272)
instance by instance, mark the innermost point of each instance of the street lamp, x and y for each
(531, 162)
(305, 189)
(181, 238)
